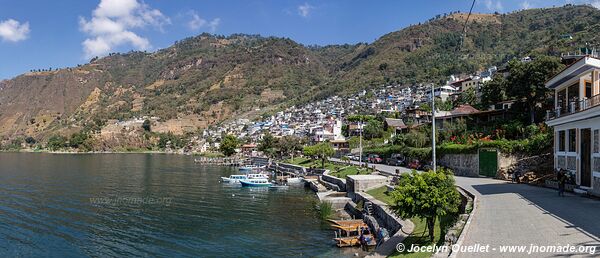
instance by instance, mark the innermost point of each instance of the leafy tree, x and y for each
(320, 151)
(428, 195)
(443, 105)
(493, 91)
(526, 81)
(289, 145)
(57, 142)
(267, 144)
(169, 140)
(373, 129)
(146, 125)
(467, 97)
(228, 145)
(77, 139)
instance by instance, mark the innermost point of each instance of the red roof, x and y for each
(464, 110)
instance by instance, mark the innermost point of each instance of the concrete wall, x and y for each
(339, 182)
(361, 183)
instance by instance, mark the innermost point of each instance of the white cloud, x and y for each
(596, 4)
(14, 31)
(198, 22)
(304, 10)
(525, 5)
(112, 25)
(495, 6)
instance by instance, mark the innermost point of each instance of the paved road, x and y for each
(522, 215)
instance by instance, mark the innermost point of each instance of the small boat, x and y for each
(247, 168)
(294, 180)
(258, 176)
(233, 178)
(255, 182)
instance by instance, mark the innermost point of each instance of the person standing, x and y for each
(562, 178)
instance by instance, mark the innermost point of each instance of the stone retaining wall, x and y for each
(468, 164)
(461, 164)
(339, 182)
(384, 216)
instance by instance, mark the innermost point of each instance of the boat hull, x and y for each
(250, 184)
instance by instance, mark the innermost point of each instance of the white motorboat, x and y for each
(255, 182)
(258, 176)
(234, 178)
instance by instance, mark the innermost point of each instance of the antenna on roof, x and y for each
(464, 33)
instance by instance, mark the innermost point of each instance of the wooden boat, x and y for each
(348, 233)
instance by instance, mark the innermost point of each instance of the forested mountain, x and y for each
(206, 79)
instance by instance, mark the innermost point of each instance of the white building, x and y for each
(576, 122)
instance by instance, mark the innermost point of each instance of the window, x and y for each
(572, 140)
(562, 100)
(573, 97)
(588, 90)
(561, 140)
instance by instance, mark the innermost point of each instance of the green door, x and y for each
(488, 162)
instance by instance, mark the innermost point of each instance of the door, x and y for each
(488, 162)
(586, 159)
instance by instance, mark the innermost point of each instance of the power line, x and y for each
(464, 33)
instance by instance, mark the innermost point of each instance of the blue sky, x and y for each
(42, 34)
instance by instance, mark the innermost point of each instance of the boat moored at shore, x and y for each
(233, 178)
(255, 182)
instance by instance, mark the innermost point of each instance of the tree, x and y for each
(373, 129)
(427, 195)
(526, 81)
(267, 144)
(467, 97)
(77, 139)
(57, 142)
(320, 151)
(493, 91)
(228, 145)
(146, 125)
(288, 145)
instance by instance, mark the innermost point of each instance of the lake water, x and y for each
(148, 205)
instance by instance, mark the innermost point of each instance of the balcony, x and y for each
(573, 107)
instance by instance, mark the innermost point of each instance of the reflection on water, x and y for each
(148, 205)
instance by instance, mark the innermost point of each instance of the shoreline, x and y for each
(199, 154)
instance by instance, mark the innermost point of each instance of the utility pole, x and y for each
(360, 143)
(433, 125)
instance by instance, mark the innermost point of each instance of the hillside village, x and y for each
(323, 120)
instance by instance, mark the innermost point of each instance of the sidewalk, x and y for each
(519, 214)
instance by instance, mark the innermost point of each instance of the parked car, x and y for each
(374, 158)
(396, 160)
